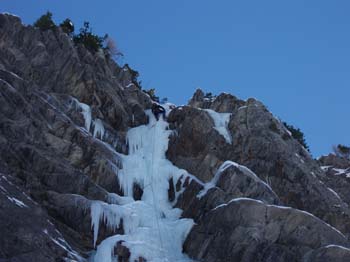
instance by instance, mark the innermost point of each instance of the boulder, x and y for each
(249, 230)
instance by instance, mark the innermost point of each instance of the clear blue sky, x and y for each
(292, 55)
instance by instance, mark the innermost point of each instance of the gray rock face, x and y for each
(329, 253)
(224, 103)
(231, 182)
(249, 230)
(337, 177)
(189, 149)
(232, 227)
(28, 232)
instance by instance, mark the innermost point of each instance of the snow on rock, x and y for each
(168, 107)
(279, 207)
(73, 255)
(99, 129)
(337, 171)
(333, 192)
(86, 112)
(97, 124)
(337, 246)
(215, 179)
(17, 202)
(222, 168)
(153, 229)
(221, 121)
(118, 200)
(237, 200)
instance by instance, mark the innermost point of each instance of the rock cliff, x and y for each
(75, 134)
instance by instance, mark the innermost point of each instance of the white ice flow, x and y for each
(86, 112)
(221, 121)
(99, 129)
(153, 228)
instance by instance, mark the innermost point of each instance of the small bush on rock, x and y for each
(91, 41)
(298, 135)
(342, 151)
(67, 26)
(45, 22)
(152, 93)
(111, 49)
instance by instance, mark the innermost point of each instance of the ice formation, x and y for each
(221, 121)
(99, 129)
(86, 112)
(153, 228)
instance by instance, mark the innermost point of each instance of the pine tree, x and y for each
(45, 22)
(91, 41)
(67, 26)
(298, 135)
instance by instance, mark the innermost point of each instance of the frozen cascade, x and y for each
(153, 228)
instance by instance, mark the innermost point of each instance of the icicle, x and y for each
(99, 129)
(95, 219)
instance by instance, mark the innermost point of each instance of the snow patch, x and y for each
(17, 202)
(325, 168)
(339, 171)
(242, 107)
(221, 121)
(215, 179)
(86, 112)
(3, 189)
(334, 193)
(336, 246)
(237, 200)
(73, 256)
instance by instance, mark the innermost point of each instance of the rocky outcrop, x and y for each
(249, 230)
(334, 161)
(63, 113)
(28, 232)
(261, 143)
(230, 182)
(232, 225)
(337, 177)
(328, 253)
(223, 103)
